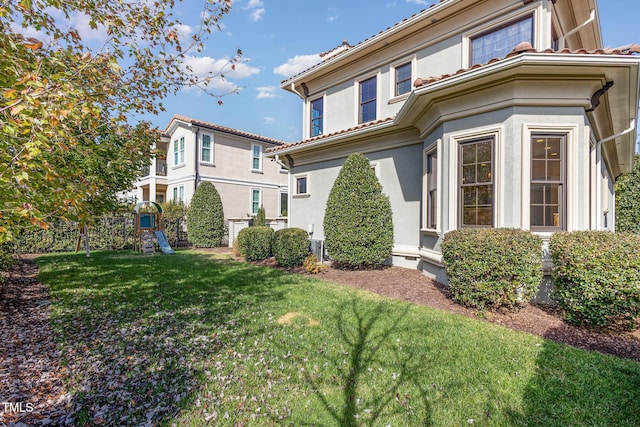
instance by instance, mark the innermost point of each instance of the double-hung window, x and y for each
(475, 169)
(432, 189)
(178, 194)
(206, 154)
(497, 43)
(368, 98)
(317, 116)
(548, 182)
(403, 79)
(284, 203)
(256, 195)
(178, 151)
(256, 157)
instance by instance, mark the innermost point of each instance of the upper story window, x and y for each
(497, 43)
(301, 185)
(317, 116)
(403, 79)
(475, 169)
(368, 97)
(206, 152)
(548, 182)
(178, 151)
(256, 157)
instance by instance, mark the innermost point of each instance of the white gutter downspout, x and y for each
(293, 89)
(592, 17)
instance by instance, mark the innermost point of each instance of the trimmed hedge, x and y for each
(205, 217)
(492, 267)
(597, 277)
(254, 243)
(358, 224)
(290, 246)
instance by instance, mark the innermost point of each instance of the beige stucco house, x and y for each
(495, 113)
(192, 151)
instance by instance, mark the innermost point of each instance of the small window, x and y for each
(284, 203)
(178, 194)
(178, 151)
(497, 43)
(403, 79)
(256, 196)
(432, 190)
(547, 182)
(475, 169)
(256, 157)
(368, 94)
(301, 185)
(317, 116)
(206, 155)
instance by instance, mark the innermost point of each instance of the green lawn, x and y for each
(191, 339)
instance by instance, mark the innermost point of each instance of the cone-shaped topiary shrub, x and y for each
(205, 217)
(261, 218)
(255, 243)
(290, 246)
(358, 224)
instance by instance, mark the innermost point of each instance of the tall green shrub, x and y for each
(628, 200)
(358, 224)
(494, 268)
(205, 217)
(597, 277)
(255, 243)
(290, 246)
(261, 218)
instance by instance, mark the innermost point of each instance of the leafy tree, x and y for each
(61, 101)
(205, 217)
(628, 200)
(358, 223)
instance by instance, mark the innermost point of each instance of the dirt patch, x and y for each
(290, 318)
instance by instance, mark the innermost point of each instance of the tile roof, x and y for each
(349, 47)
(527, 48)
(329, 135)
(224, 129)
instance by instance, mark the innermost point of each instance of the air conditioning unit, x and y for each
(316, 247)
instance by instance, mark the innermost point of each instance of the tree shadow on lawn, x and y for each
(575, 387)
(135, 330)
(375, 372)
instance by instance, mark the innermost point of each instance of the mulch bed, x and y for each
(31, 373)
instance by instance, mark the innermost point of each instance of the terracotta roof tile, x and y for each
(527, 48)
(224, 129)
(321, 137)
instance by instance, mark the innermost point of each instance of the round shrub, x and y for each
(597, 277)
(358, 223)
(492, 267)
(205, 217)
(290, 246)
(255, 243)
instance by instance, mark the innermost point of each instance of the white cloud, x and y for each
(419, 2)
(256, 10)
(266, 92)
(269, 120)
(297, 64)
(205, 66)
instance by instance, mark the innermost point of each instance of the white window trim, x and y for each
(571, 132)
(533, 9)
(181, 153)
(437, 149)
(375, 165)
(357, 82)
(280, 193)
(295, 193)
(497, 133)
(178, 194)
(259, 190)
(260, 159)
(211, 149)
(392, 78)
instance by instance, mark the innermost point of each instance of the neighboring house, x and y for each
(192, 151)
(495, 113)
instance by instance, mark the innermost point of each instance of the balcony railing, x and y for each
(161, 167)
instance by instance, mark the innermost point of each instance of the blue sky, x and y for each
(278, 36)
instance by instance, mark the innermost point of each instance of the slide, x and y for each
(162, 242)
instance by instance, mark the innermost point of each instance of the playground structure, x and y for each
(149, 228)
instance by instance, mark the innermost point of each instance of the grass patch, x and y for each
(196, 340)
